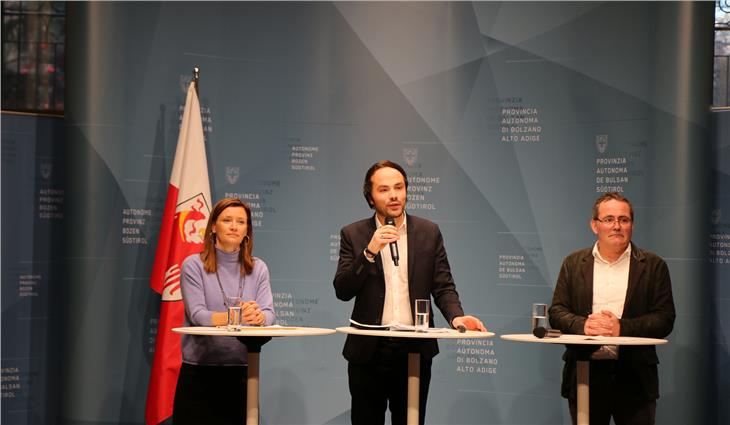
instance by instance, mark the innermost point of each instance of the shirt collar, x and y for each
(597, 255)
(378, 225)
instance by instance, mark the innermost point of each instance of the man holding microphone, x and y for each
(385, 282)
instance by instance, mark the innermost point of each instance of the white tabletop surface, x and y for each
(447, 334)
(254, 331)
(586, 340)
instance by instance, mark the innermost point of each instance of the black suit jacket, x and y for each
(429, 275)
(648, 312)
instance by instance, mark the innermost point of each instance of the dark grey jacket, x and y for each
(648, 312)
(429, 274)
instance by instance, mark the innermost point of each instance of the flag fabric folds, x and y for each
(186, 213)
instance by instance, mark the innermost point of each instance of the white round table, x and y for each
(583, 366)
(414, 360)
(254, 337)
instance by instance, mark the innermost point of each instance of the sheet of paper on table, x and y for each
(394, 327)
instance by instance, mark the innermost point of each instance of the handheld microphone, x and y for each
(541, 332)
(393, 245)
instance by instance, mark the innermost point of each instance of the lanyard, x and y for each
(241, 280)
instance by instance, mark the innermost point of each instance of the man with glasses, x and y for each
(614, 289)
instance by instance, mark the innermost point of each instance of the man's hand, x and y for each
(604, 323)
(471, 323)
(615, 323)
(383, 236)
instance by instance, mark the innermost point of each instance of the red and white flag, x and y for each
(187, 209)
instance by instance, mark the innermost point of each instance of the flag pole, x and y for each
(196, 78)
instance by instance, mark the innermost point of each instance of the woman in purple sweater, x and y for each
(211, 388)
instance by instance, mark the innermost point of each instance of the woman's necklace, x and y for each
(241, 280)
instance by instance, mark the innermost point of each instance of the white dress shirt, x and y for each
(397, 306)
(610, 283)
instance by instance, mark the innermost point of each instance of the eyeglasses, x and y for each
(611, 220)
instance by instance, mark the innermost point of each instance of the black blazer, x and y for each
(648, 312)
(429, 275)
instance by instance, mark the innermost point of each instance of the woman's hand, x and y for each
(252, 314)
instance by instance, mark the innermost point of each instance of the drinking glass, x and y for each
(539, 316)
(234, 313)
(421, 315)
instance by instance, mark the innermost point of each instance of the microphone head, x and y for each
(390, 221)
(539, 332)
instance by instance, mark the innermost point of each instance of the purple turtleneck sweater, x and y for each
(202, 297)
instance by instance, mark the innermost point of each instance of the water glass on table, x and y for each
(421, 315)
(539, 316)
(234, 313)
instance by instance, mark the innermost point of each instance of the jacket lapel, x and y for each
(587, 297)
(411, 232)
(636, 268)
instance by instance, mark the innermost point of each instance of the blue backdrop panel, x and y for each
(33, 197)
(510, 119)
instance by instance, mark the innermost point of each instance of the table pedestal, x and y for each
(583, 396)
(252, 390)
(414, 384)
(253, 346)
